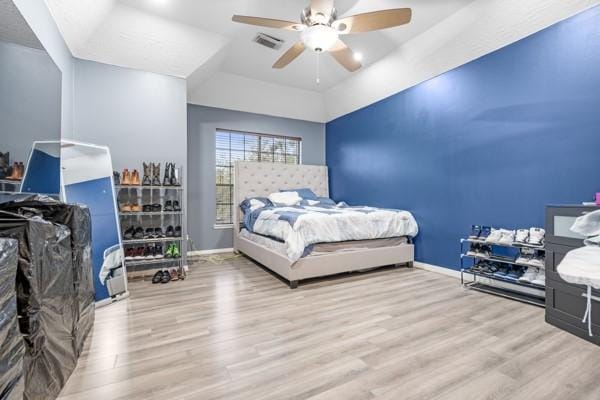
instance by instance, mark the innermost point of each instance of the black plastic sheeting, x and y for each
(55, 289)
(12, 347)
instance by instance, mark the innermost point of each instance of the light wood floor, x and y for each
(233, 331)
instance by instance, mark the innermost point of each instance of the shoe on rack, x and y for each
(129, 232)
(525, 256)
(135, 178)
(508, 237)
(170, 231)
(537, 261)
(522, 236)
(139, 253)
(174, 176)
(135, 207)
(156, 207)
(174, 275)
(158, 251)
(540, 278)
(178, 231)
(14, 172)
(149, 233)
(485, 232)
(126, 177)
(166, 277)
(169, 252)
(529, 275)
(536, 236)
(146, 181)
(139, 233)
(175, 251)
(4, 164)
(502, 271)
(155, 174)
(494, 236)
(473, 250)
(168, 206)
(515, 273)
(484, 251)
(125, 207)
(129, 253)
(157, 278)
(147, 208)
(489, 268)
(181, 273)
(176, 206)
(158, 233)
(116, 178)
(167, 177)
(148, 252)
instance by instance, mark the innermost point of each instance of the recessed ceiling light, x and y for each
(358, 56)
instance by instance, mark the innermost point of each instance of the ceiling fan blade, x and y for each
(321, 6)
(268, 22)
(290, 55)
(373, 21)
(345, 56)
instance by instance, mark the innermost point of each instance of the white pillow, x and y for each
(256, 204)
(285, 198)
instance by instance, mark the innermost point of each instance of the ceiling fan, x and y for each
(320, 30)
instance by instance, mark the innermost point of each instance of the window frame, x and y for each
(259, 153)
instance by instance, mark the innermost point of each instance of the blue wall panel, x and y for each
(491, 142)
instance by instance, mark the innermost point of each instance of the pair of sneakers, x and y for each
(501, 236)
(533, 236)
(531, 257)
(172, 251)
(534, 275)
(479, 250)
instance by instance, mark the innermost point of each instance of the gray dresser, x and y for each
(565, 302)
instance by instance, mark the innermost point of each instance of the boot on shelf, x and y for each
(4, 164)
(135, 178)
(174, 176)
(126, 177)
(156, 174)
(14, 172)
(147, 172)
(116, 178)
(167, 178)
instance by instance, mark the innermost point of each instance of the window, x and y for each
(232, 146)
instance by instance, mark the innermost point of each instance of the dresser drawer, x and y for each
(559, 220)
(565, 307)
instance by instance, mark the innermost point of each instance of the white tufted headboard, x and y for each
(254, 179)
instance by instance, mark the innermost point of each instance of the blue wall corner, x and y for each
(491, 142)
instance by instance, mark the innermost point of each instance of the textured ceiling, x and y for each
(195, 38)
(14, 28)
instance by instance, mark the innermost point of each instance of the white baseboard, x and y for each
(208, 252)
(439, 270)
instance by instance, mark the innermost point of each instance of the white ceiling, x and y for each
(14, 28)
(196, 40)
(180, 37)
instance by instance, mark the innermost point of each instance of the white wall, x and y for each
(238, 93)
(478, 29)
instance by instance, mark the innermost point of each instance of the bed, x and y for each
(253, 179)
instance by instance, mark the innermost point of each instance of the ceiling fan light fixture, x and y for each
(319, 38)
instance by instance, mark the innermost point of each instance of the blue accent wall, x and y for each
(491, 142)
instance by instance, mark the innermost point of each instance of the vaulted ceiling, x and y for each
(196, 40)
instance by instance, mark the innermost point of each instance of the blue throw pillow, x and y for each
(305, 193)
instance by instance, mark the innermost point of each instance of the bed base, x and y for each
(324, 265)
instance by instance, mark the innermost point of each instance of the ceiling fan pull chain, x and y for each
(318, 68)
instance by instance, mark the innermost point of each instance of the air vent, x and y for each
(268, 41)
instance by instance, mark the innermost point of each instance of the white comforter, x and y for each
(302, 227)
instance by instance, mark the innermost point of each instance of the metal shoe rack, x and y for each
(9, 186)
(493, 284)
(148, 194)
